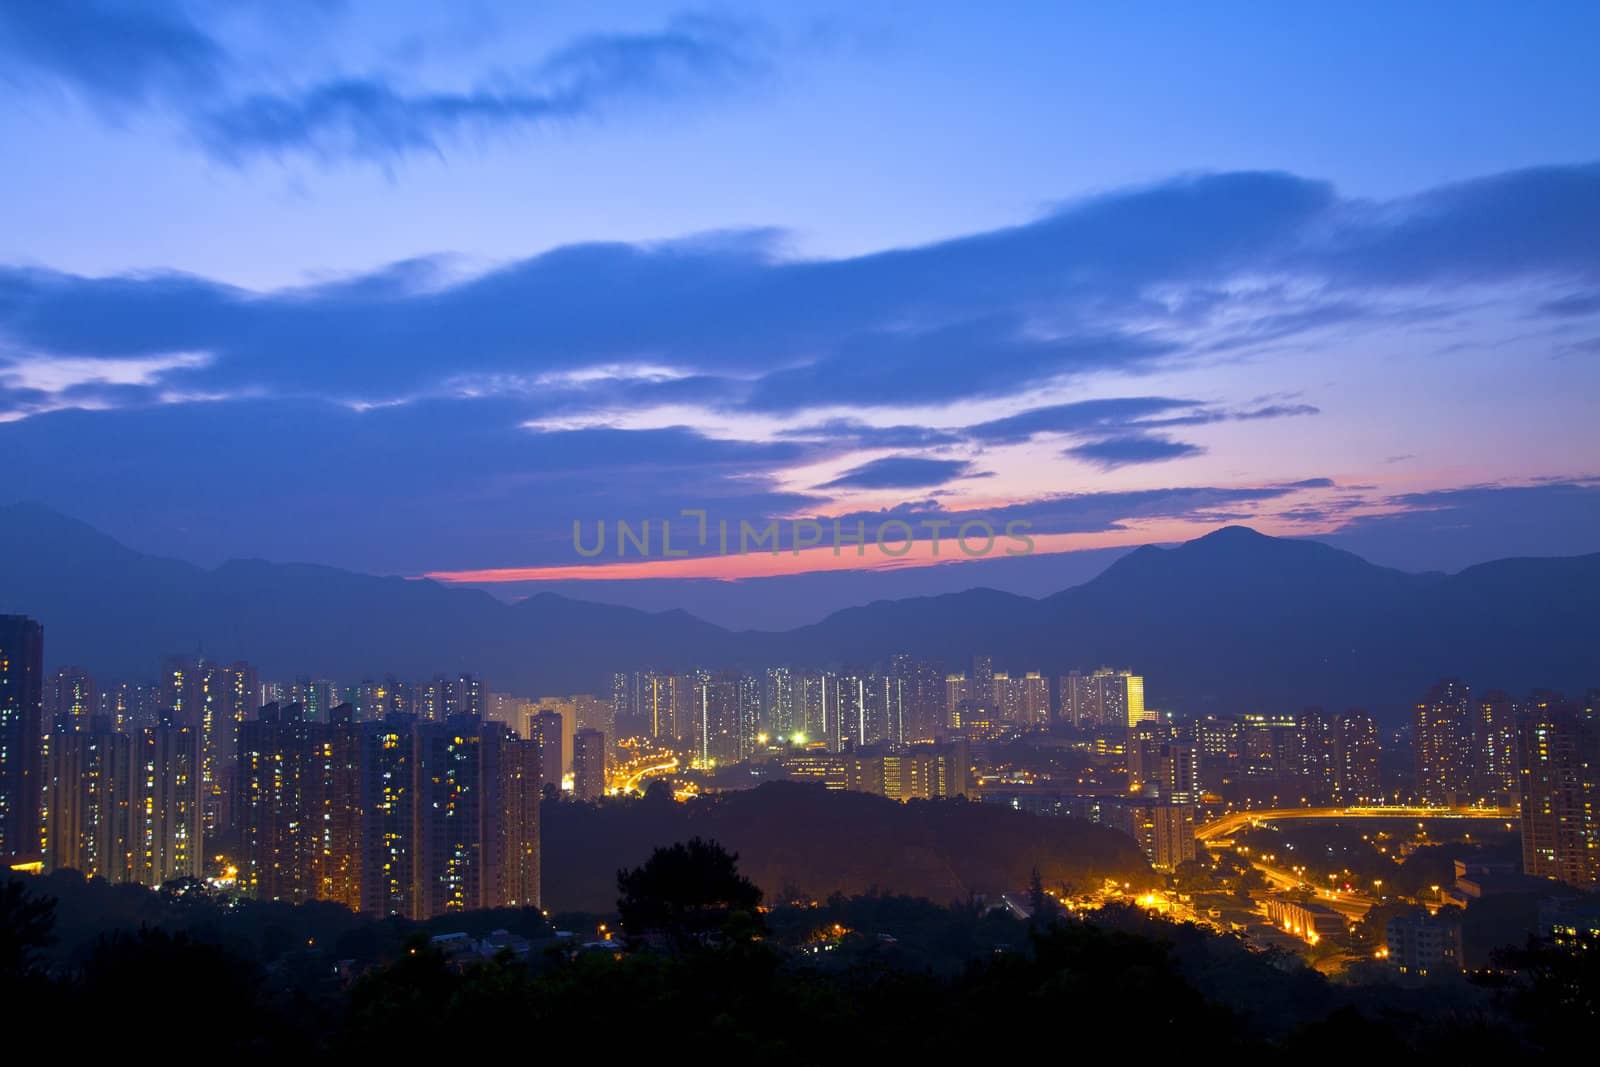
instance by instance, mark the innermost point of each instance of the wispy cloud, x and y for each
(122, 57)
(377, 117)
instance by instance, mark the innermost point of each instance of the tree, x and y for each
(688, 895)
(1036, 893)
(27, 925)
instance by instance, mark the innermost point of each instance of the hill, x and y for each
(1234, 620)
(789, 837)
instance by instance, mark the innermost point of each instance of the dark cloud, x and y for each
(900, 472)
(1109, 453)
(995, 314)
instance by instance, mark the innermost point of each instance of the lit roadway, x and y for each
(1234, 821)
(632, 781)
(1350, 905)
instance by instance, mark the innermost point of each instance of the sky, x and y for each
(419, 289)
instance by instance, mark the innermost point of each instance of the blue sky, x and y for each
(268, 272)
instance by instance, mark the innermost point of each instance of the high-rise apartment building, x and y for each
(1494, 745)
(452, 850)
(778, 704)
(589, 765)
(89, 802)
(520, 850)
(71, 699)
(167, 823)
(1559, 772)
(957, 700)
(628, 696)
(1442, 736)
(548, 729)
(820, 707)
(21, 735)
(388, 770)
(299, 806)
(1034, 700)
(922, 695)
(1357, 751)
(1106, 698)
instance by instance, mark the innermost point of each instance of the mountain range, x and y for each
(1231, 621)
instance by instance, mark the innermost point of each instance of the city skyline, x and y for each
(1191, 334)
(793, 531)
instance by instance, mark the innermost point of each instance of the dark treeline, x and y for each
(706, 969)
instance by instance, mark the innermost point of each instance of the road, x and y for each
(1238, 820)
(1350, 905)
(632, 781)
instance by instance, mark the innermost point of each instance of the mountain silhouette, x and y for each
(1232, 621)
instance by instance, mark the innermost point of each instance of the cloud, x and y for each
(120, 57)
(857, 435)
(996, 314)
(1572, 305)
(1099, 512)
(117, 55)
(1113, 416)
(900, 472)
(438, 483)
(1078, 417)
(1109, 453)
(454, 398)
(374, 117)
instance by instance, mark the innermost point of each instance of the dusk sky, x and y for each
(408, 289)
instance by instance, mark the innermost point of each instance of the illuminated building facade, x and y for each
(1357, 776)
(1559, 768)
(1311, 923)
(919, 772)
(778, 712)
(1104, 698)
(167, 822)
(1494, 745)
(90, 802)
(1442, 736)
(451, 847)
(388, 768)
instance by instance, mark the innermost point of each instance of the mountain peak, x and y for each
(1232, 535)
